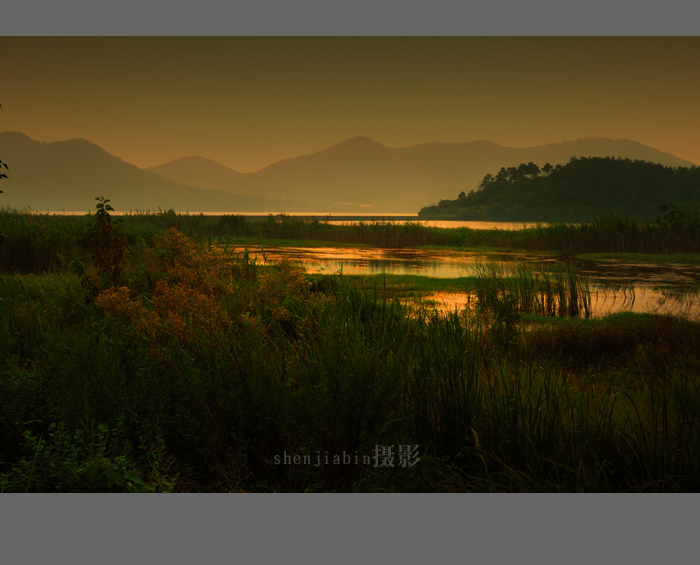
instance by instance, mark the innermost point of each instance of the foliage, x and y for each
(106, 247)
(505, 322)
(38, 242)
(2, 174)
(580, 190)
(89, 460)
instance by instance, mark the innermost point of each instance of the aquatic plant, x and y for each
(555, 291)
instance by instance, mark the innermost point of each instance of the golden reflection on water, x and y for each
(481, 225)
(603, 302)
(615, 287)
(374, 260)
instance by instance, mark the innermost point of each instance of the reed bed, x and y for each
(672, 233)
(41, 242)
(557, 291)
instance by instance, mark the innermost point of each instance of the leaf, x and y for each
(110, 473)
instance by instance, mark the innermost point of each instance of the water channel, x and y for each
(615, 287)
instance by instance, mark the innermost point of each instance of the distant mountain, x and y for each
(68, 175)
(361, 175)
(356, 175)
(199, 172)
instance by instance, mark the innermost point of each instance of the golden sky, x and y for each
(247, 102)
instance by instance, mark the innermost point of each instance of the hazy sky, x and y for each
(247, 102)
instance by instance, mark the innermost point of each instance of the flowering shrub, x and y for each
(281, 291)
(185, 304)
(205, 299)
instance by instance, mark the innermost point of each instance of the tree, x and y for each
(487, 180)
(502, 175)
(530, 169)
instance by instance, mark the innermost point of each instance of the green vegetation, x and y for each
(578, 191)
(45, 242)
(560, 293)
(135, 357)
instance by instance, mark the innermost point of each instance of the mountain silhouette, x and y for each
(199, 172)
(355, 175)
(68, 175)
(362, 175)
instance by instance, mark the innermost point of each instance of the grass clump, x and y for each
(561, 292)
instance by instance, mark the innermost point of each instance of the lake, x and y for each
(642, 288)
(665, 289)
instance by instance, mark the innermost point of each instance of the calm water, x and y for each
(450, 224)
(672, 289)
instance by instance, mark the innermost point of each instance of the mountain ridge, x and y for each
(68, 175)
(198, 171)
(358, 174)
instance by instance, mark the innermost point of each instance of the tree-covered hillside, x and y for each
(583, 188)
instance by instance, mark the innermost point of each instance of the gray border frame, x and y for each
(340, 17)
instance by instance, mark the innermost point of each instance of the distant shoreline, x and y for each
(255, 215)
(333, 219)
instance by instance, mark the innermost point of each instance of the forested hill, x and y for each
(580, 190)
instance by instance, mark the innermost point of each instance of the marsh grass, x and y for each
(555, 291)
(41, 242)
(200, 367)
(673, 232)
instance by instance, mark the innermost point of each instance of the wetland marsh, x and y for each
(615, 285)
(166, 352)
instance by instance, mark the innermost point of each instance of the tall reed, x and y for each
(534, 290)
(36, 241)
